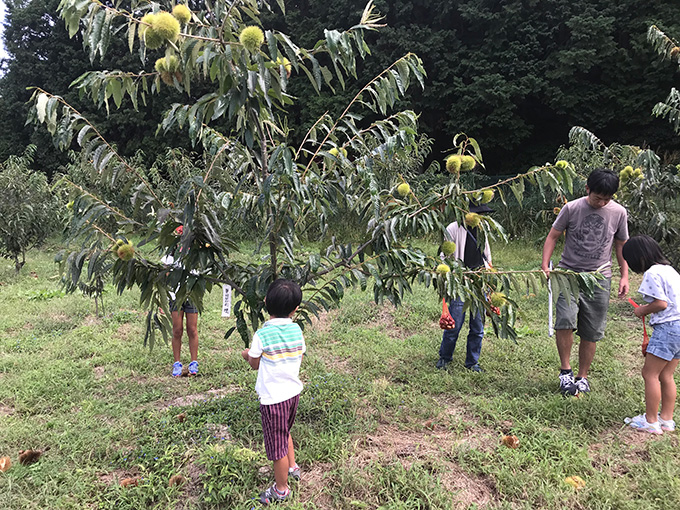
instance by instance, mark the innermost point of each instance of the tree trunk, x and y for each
(18, 265)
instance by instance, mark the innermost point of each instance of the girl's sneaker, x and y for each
(193, 368)
(667, 425)
(176, 369)
(641, 424)
(272, 495)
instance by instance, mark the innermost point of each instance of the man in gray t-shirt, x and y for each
(592, 225)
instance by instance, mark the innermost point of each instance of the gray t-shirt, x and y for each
(590, 234)
(662, 282)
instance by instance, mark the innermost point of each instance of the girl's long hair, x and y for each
(642, 252)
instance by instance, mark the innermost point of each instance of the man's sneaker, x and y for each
(641, 424)
(176, 369)
(442, 364)
(667, 425)
(567, 385)
(475, 368)
(272, 495)
(193, 368)
(582, 384)
(294, 472)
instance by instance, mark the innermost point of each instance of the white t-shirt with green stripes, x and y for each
(279, 344)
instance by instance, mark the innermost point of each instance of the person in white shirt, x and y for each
(473, 256)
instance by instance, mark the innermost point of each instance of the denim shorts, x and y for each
(187, 307)
(588, 316)
(665, 341)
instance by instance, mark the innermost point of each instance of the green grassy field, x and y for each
(378, 426)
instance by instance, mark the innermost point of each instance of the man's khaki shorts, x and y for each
(587, 316)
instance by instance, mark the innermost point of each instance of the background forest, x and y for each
(516, 75)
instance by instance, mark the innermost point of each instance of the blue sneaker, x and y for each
(176, 369)
(193, 368)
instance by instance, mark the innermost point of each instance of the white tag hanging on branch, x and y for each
(226, 300)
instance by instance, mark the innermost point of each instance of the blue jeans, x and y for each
(474, 339)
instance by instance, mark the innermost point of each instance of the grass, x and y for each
(378, 426)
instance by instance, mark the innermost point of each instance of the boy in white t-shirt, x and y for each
(276, 353)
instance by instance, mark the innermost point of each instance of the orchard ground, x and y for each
(378, 426)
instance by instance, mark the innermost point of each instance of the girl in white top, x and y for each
(660, 288)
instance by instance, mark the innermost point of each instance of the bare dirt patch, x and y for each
(92, 320)
(219, 431)
(469, 490)
(114, 477)
(6, 411)
(322, 324)
(384, 321)
(333, 362)
(432, 445)
(635, 446)
(192, 489)
(313, 484)
(58, 317)
(98, 372)
(474, 435)
(125, 331)
(190, 400)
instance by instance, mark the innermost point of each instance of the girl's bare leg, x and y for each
(192, 333)
(668, 391)
(177, 331)
(651, 372)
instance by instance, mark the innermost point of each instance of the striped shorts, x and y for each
(277, 420)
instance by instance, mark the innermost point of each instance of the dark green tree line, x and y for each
(517, 75)
(41, 54)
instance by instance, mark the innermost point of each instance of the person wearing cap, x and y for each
(469, 252)
(591, 226)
